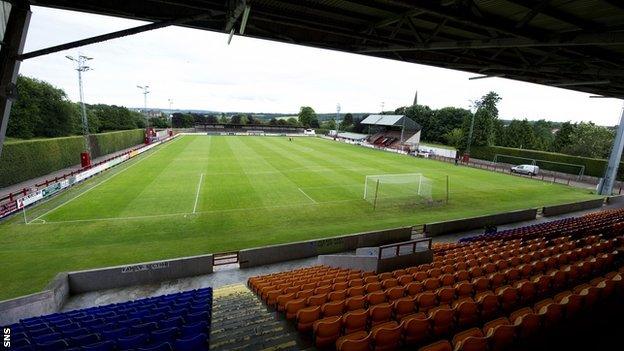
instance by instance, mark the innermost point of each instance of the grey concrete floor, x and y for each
(231, 274)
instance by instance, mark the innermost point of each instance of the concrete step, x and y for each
(240, 321)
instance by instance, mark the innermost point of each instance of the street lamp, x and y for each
(146, 91)
(81, 67)
(338, 107)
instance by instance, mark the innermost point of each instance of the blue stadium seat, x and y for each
(69, 333)
(57, 345)
(112, 334)
(189, 330)
(100, 346)
(47, 337)
(84, 340)
(131, 342)
(165, 346)
(171, 322)
(156, 323)
(144, 328)
(164, 335)
(195, 343)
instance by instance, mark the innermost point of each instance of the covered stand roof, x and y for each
(391, 121)
(578, 44)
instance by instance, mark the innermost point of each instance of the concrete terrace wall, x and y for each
(48, 301)
(461, 225)
(573, 207)
(138, 274)
(286, 252)
(617, 199)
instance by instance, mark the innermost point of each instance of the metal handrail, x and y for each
(397, 246)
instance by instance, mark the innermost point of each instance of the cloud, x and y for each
(198, 70)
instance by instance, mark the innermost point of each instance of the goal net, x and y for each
(397, 188)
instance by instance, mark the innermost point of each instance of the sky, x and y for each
(197, 70)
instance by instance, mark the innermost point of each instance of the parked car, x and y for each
(525, 169)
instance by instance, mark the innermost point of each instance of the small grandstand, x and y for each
(392, 131)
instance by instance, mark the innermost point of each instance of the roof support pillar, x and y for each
(606, 186)
(13, 45)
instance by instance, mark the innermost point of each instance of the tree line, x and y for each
(42, 110)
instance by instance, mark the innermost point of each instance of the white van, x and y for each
(525, 169)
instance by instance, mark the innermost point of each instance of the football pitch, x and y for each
(205, 194)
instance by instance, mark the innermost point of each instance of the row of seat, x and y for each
(430, 289)
(174, 321)
(497, 333)
(590, 223)
(270, 292)
(465, 309)
(526, 323)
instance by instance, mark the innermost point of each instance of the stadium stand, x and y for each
(485, 293)
(179, 321)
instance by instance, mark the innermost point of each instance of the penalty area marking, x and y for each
(308, 196)
(201, 177)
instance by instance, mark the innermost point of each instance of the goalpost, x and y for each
(396, 188)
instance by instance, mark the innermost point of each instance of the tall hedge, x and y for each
(593, 166)
(28, 159)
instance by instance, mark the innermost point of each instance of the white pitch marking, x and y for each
(308, 196)
(184, 214)
(197, 195)
(96, 185)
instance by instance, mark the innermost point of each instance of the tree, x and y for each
(236, 119)
(273, 121)
(307, 117)
(329, 124)
(484, 120)
(182, 120)
(112, 117)
(160, 122)
(518, 134)
(454, 137)
(223, 119)
(562, 137)
(41, 110)
(445, 120)
(292, 121)
(212, 119)
(347, 121)
(544, 137)
(590, 140)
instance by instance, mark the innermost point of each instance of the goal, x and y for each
(397, 188)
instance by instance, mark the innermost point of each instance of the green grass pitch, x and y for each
(204, 194)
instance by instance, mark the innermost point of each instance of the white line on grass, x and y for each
(308, 196)
(201, 177)
(111, 218)
(96, 185)
(201, 212)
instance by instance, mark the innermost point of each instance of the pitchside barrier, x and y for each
(461, 225)
(303, 249)
(48, 301)
(50, 188)
(548, 211)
